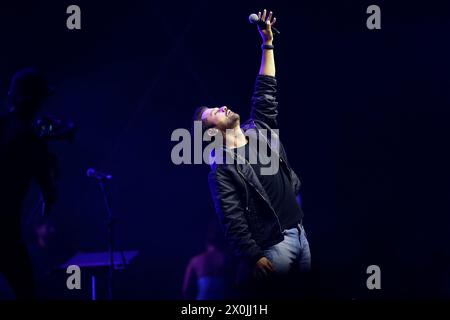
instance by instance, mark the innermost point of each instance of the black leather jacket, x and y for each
(249, 220)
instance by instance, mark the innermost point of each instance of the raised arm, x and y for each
(264, 104)
(268, 60)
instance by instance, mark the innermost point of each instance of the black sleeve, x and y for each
(230, 210)
(264, 104)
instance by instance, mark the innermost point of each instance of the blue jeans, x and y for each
(291, 260)
(292, 254)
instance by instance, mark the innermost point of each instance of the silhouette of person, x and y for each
(207, 274)
(24, 157)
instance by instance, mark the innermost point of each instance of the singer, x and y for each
(260, 214)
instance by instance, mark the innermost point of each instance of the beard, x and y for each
(233, 121)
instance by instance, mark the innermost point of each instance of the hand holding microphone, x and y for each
(265, 24)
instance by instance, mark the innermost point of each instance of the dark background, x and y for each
(364, 117)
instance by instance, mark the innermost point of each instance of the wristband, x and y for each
(267, 47)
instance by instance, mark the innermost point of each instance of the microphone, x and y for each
(92, 173)
(254, 19)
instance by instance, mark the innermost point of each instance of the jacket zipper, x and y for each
(270, 206)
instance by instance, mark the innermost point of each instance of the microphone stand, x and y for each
(110, 227)
(101, 179)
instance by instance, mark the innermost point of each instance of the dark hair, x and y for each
(28, 88)
(198, 117)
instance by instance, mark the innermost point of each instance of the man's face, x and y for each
(221, 118)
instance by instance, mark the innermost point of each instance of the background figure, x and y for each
(24, 156)
(208, 275)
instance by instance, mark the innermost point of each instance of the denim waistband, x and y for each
(298, 226)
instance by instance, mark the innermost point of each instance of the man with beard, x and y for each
(260, 214)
